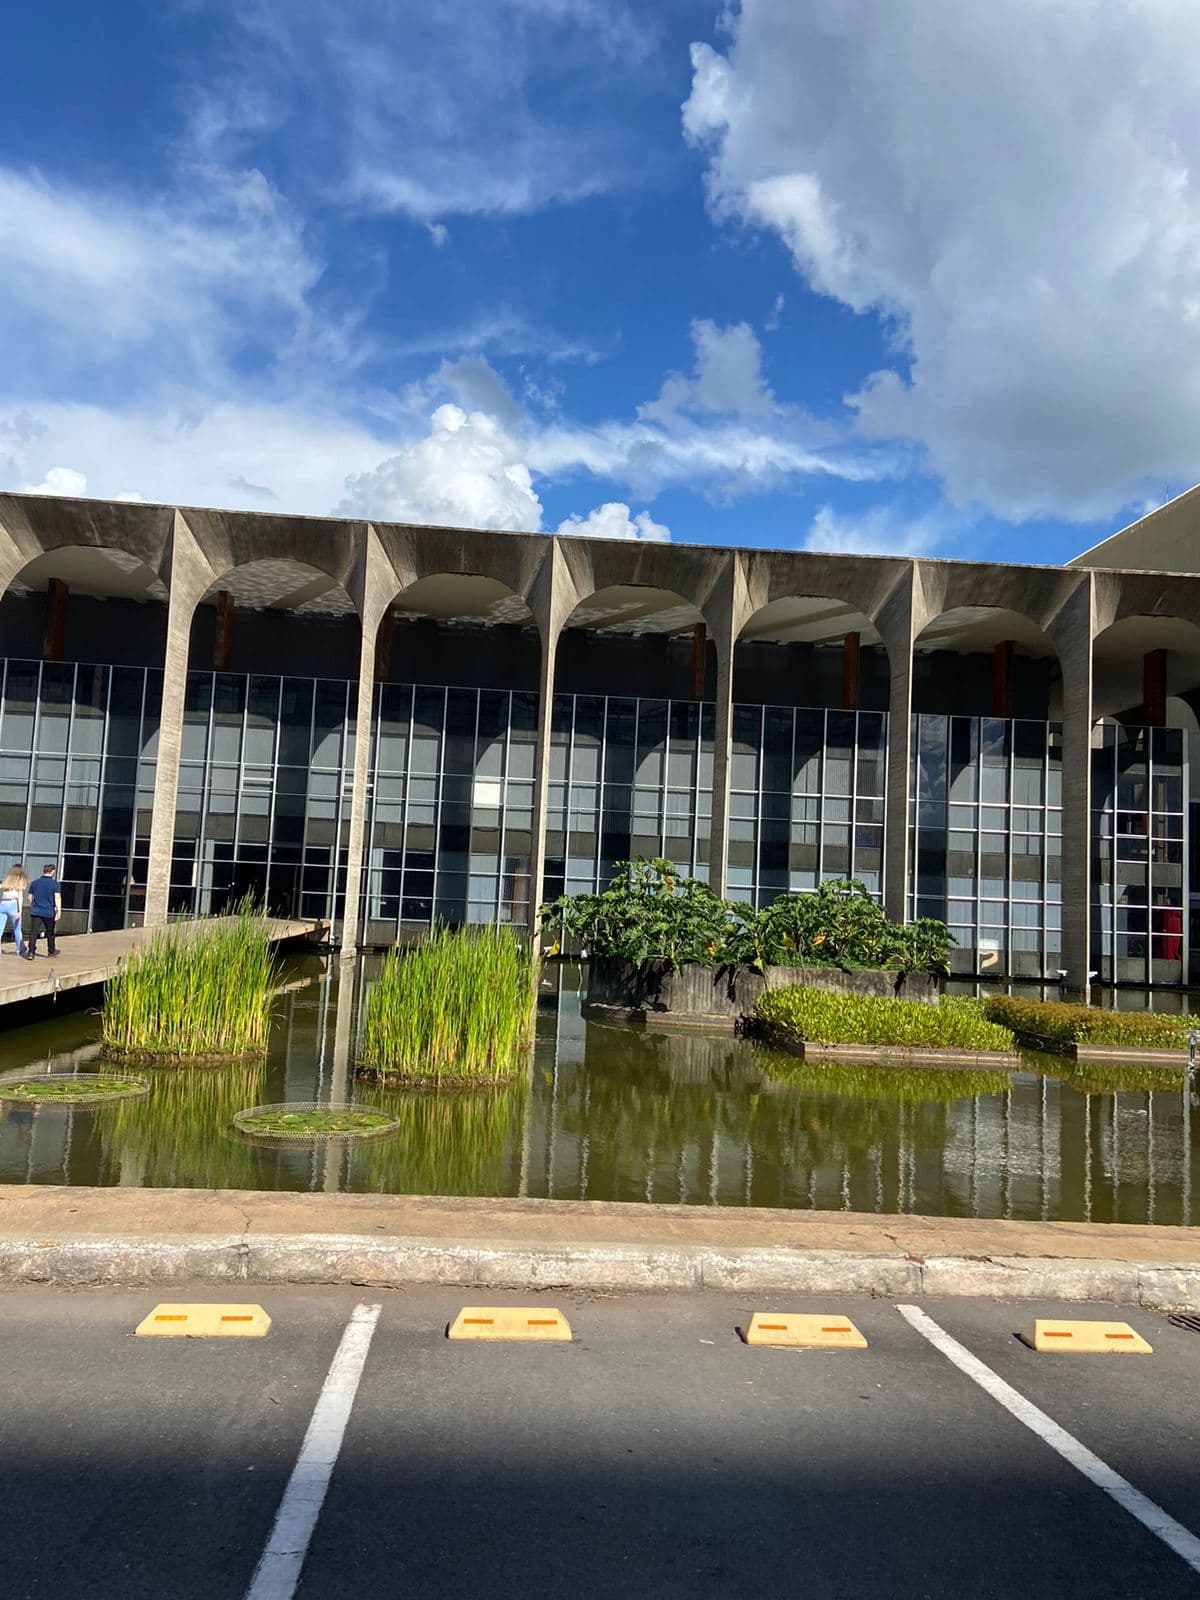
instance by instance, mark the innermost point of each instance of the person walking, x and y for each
(45, 908)
(12, 897)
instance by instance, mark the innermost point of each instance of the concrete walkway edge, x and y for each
(247, 1259)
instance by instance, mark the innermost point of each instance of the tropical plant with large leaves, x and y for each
(652, 910)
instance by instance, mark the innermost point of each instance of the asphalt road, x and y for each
(656, 1454)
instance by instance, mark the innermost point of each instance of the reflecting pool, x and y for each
(608, 1112)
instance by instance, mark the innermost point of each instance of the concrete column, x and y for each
(54, 635)
(223, 633)
(541, 775)
(1154, 688)
(725, 640)
(1002, 695)
(699, 660)
(552, 599)
(375, 587)
(1073, 637)
(360, 796)
(851, 670)
(899, 637)
(191, 576)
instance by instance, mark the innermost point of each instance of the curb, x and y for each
(396, 1263)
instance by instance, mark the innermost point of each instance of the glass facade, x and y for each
(77, 752)
(450, 830)
(806, 800)
(1140, 854)
(265, 789)
(265, 778)
(987, 839)
(627, 778)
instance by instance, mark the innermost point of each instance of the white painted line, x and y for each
(1151, 1516)
(278, 1570)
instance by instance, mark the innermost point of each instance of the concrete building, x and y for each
(385, 724)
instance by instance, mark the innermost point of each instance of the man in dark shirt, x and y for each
(45, 905)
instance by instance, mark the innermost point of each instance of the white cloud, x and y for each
(59, 480)
(466, 472)
(456, 109)
(183, 449)
(1011, 187)
(613, 521)
(439, 233)
(880, 531)
(727, 379)
(177, 284)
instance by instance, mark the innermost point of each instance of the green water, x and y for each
(621, 1113)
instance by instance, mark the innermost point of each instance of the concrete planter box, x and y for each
(1114, 1053)
(696, 996)
(909, 1056)
(1127, 1053)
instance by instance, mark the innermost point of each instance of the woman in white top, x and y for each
(13, 889)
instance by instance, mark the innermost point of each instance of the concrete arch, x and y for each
(412, 554)
(33, 526)
(998, 686)
(226, 541)
(874, 586)
(1141, 655)
(698, 577)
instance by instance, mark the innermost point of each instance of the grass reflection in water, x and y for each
(179, 1135)
(465, 1143)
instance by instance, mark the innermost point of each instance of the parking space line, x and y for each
(1150, 1515)
(278, 1570)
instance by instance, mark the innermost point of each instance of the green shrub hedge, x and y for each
(1054, 1024)
(801, 1015)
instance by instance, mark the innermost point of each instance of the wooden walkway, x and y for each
(87, 959)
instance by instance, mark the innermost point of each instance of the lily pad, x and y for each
(310, 1120)
(73, 1089)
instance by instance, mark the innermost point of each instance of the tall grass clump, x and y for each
(196, 991)
(800, 1015)
(455, 1009)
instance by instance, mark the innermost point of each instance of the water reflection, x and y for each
(614, 1113)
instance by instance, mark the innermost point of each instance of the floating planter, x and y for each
(311, 1119)
(453, 1012)
(73, 1089)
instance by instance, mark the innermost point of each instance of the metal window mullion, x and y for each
(33, 763)
(505, 768)
(439, 791)
(407, 795)
(108, 691)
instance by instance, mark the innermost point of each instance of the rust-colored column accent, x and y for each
(223, 635)
(851, 671)
(699, 660)
(55, 632)
(383, 647)
(1002, 688)
(1154, 688)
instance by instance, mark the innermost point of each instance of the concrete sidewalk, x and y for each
(160, 1236)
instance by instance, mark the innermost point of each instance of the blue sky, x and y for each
(910, 275)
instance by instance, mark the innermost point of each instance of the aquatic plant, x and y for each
(1055, 1025)
(457, 1008)
(800, 1015)
(292, 1120)
(195, 991)
(651, 910)
(73, 1089)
